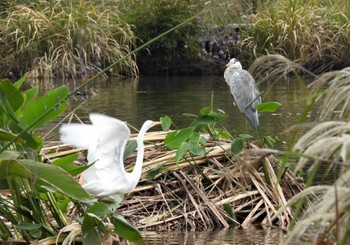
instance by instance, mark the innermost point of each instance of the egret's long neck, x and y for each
(140, 152)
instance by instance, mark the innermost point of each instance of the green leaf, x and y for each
(218, 116)
(174, 139)
(189, 115)
(205, 110)
(30, 95)
(9, 155)
(154, 171)
(268, 107)
(91, 234)
(206, 119)
(246, 136)
(66, 163)
(237, 146)
(166, 122)
(230, 212)
(130, 148)
(11, 94)
(125, 230)
(47, 175)
(183, 149)
(34, 111)
(99, 209)
(28, 226)
(8, 136)
(18, 84)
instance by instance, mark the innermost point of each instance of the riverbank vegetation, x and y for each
(78, 39)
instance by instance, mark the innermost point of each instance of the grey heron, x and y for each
(105, 139)
(244, 91)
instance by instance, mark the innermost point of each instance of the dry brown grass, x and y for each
(196, 193)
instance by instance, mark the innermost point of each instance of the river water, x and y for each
(153, 97)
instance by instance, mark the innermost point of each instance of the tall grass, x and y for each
(325, 144)
(64, 39)
(314, 33)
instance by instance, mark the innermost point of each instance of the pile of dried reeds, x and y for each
(206, 192)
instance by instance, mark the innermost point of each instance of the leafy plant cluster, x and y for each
(39, 195)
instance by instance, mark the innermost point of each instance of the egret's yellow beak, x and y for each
(155, 123)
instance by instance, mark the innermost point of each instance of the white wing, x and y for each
(105, 140)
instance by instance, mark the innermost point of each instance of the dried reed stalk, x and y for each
(195, 193)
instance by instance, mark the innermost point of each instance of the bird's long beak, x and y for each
(155, 123)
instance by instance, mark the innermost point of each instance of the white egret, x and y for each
(105, 139)
(244, 91)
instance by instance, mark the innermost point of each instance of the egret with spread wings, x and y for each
(105, 139)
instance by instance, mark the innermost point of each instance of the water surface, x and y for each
(153, 97)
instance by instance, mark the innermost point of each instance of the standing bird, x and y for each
(244, 91)
(105, 140)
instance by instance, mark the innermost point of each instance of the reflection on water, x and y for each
(232, 236)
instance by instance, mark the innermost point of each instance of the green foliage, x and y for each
(189, 140)
(268, 107)
(151, 18)
(41, 192)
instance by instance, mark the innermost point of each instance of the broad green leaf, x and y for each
(218, 116)
(44, 174)
(18, 84)
(174, 139)
(183, 149)
(91, 235)
(30, 95)
(195, 140)
(8, 136)
(11, 94)
(206, 119)
(9, 155)
(268, 107)
(237, 146)
(123, 229)
(154, 171)
(99, 209)
(34, 142)
(130, 148)
(166, 122)
(49, 102)
(196, 144)
(205, 110)
(66, 163)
